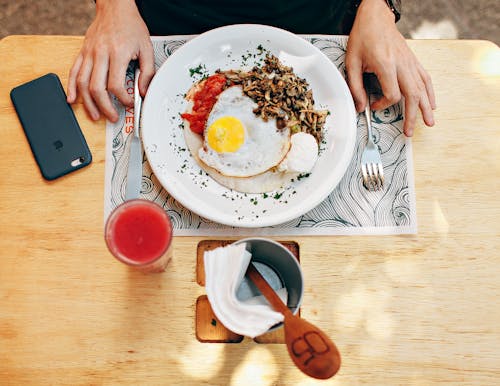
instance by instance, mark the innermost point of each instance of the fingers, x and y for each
(147, 65)
(426, 109)
(408, 79)
(93, 77)
(428, 85)
(73, 73)
(355, 82)
(88, 76)
(388, 79)
(98, 89)
(83, 81)
(116, 79)
(415, 91)
(410, 116)
(427, 100)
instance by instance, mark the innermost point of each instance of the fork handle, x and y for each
(368, 116)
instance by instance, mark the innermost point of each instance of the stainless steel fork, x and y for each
(371, 162)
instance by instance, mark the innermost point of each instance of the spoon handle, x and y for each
(266, 290)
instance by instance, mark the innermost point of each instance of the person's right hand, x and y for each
(116, 36)
(376, 46)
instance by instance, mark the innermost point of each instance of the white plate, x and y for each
(234, 47)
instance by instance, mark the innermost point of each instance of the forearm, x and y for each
(112, 6)
(384, 8)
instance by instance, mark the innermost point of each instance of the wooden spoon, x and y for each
(310, 349)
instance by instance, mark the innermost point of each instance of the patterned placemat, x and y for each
(350, 209)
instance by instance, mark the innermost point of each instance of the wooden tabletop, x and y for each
(403, 310)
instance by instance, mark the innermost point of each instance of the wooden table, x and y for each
(403, 310)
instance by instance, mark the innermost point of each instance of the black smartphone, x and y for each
(54, 135)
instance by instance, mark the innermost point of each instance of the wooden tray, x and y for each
(208, 328)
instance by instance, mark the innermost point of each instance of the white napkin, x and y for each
(225, 268)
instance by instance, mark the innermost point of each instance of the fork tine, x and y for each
(380, 178)
(378, 182)
(374, 176)
(365, 175)
(369, 181)
(381, 174)
(371, 174)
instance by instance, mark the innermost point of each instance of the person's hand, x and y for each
(375, 45)
(116, 36)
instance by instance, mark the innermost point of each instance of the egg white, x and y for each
(264, 145)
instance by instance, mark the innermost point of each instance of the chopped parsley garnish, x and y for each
(277, 196)
(200, 70)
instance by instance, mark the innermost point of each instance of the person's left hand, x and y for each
(375, 45)
(117, 35)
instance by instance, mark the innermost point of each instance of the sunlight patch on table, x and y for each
(258, 368)
(366, 307)
(441, 225)
(380, 325)
(401, 270)
(350, 308)
(351, 266)
(209, 359)
(488, 62)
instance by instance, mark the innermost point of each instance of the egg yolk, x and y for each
(226, 134)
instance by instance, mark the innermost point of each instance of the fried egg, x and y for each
(237, 143)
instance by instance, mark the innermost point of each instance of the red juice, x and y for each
(139, 233)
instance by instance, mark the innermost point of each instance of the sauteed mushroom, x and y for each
(281, 94)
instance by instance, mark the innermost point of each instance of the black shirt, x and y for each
(171, 17)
